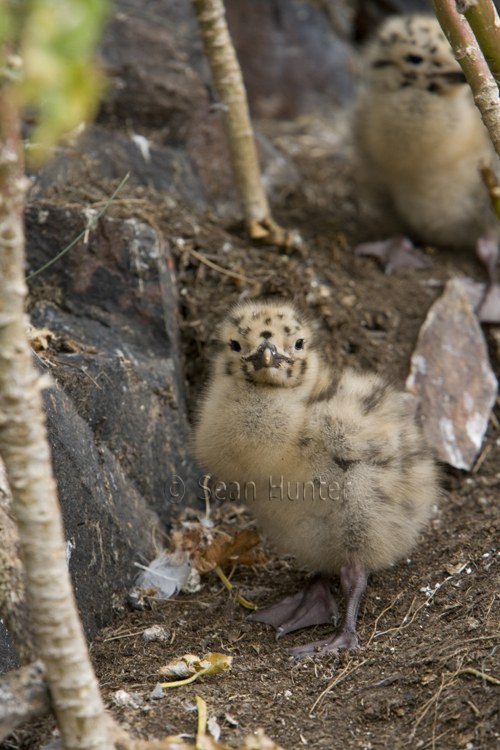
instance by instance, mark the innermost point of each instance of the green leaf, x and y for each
(61, 81)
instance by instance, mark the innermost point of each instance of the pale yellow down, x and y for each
(420, 136)
(349, 429)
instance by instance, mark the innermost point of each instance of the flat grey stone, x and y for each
(452, 376)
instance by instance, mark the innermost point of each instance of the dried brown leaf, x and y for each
(207, 552)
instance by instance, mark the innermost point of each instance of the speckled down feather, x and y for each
(420, 136)
(345, 445)
(332, 465)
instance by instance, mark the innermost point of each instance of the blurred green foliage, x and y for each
(56, 40)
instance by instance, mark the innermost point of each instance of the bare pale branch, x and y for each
(228, 81)
(24, 448)
(25, 697)
(475, 67)
(483, 19)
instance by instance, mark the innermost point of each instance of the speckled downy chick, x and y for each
(332, 465)
(420, 136)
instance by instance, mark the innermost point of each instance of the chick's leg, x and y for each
(314, 605)
(353, 578)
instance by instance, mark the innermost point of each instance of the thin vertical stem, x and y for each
(23, 445)
(475, 67)
(231, 90)
(483, 19)
(228, 81)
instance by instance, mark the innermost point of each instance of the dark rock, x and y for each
(113, 154)
(117, 417)
(108, 523)
(162, 98)
(371, 13)
(157, 69)
(8, 656)
(292, 60)
(200, 173)
(209, 152)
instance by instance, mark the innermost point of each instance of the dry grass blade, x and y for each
(436, 703)
(336, 681)
(481, 459)
(475, 673)
(382, 614)
(82, 234)
(202, 717)
(428, 599)
(224, 271)
(227, 583)
(440, 736)
(433, 699)
(125, 635)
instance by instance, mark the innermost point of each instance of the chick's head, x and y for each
(412, 51)
(268, 344)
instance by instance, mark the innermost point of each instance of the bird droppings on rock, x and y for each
(452, 376)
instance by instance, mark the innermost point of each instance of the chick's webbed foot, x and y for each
(353, 580)
(330, 645)
(314, 605)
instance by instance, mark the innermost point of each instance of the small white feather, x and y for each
(167, 572)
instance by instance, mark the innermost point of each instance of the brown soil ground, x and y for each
(427, 674)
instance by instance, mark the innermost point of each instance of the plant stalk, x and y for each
(476, 70)
(24, 448)
(483, 19)
(228, 81)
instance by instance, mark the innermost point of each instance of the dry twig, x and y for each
(345, 673)
(24, 447)
(428, 704)
(224, 271)
(381, 615)
(474, 673)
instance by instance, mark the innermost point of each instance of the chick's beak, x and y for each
(266, 356)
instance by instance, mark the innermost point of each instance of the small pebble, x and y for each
(349, 300)
(157, 693)
(123, 699)
(155, 633)
(214, 728)
(193, 583)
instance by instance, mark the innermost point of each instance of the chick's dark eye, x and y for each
(299, 344)
(235, 346)
(414, 59)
